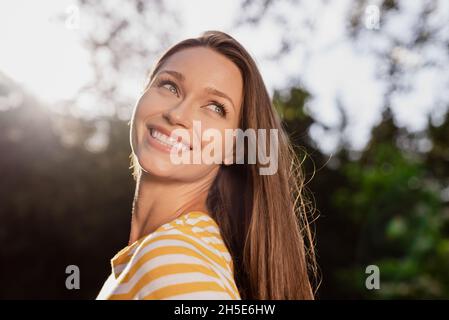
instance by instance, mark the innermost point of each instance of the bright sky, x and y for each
(46, 57)
(39, 53)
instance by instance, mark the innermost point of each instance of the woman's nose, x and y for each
(179, 115)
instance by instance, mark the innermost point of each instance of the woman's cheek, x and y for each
(141, 113)
(144, 106)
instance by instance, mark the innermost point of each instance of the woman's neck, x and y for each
(157, 202)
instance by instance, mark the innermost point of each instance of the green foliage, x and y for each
(401, 225)
(384, 208)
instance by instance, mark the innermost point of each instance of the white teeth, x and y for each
(168, 141)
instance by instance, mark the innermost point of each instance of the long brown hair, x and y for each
(263, 219)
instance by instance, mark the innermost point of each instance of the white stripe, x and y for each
(165, 227)
(201, 295)
(119, 268)
(210, 229)
(193, 221)
(174, 279)
(227, 257)
(214, 240)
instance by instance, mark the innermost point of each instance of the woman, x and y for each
(211, 230)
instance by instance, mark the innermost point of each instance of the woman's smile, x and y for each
(160, 139)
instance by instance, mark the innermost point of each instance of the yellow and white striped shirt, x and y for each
(183, 259)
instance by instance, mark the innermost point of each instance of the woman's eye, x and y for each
(218, 108)
(167, 84)
(171, 88)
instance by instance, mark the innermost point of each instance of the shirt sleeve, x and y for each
(174, 266)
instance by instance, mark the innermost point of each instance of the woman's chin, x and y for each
(158, 167)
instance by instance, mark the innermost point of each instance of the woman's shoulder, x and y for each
(194, 230)
(184, 255)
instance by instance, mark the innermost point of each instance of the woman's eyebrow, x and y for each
(216, 92)
(175, 74)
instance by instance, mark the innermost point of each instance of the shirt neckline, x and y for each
(125, 254)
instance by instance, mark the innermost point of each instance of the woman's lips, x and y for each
(162, 140)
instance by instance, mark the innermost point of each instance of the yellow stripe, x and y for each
(183, 288)
(219, 246)
(121, 259)
(165, 270)
(207, 234)
(196, 243)
(202, 224)
(123, 256)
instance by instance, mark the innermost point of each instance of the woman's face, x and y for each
(194, 84)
